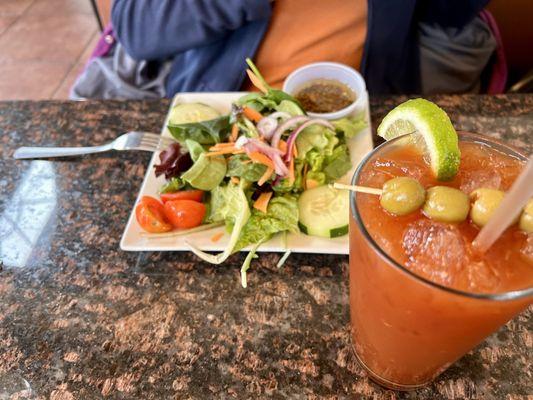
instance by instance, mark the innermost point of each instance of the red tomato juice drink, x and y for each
(420, 297)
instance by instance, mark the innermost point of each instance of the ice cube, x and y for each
(434, 250)
(394, 168)
(472, 180)
(527, 248)
(479, 277)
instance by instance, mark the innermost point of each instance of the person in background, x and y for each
(157, 48)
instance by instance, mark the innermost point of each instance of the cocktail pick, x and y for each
(510, 207)
(361, 189)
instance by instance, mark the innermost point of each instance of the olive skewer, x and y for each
(403, 195)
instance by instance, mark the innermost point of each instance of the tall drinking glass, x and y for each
(406, 329)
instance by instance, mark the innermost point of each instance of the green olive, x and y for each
(446, 204)
(526, 219)
(402, 195)
(486, 201)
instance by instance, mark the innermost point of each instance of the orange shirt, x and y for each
(305, 31)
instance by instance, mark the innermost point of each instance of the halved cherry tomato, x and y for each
(195, 195)
(150, 215)
(185, 214)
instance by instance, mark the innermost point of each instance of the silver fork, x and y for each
(129, 141)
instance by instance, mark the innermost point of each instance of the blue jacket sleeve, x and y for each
(159, 29)
(450, 13)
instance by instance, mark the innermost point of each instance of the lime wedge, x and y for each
(434, 126)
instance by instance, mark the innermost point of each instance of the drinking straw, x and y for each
(354, 188)
(510, 207)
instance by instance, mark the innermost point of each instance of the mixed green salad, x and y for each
(262, 170)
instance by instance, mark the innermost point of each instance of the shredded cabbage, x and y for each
(247, 261)
(283, 259)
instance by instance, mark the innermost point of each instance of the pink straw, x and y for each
(509, 209)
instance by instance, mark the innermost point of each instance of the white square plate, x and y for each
(132, 240)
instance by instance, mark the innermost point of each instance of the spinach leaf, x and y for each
(195, 149)
(206, 173)
(204, 132)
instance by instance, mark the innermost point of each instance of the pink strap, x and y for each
(105, 43)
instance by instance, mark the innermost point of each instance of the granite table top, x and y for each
(81, 319)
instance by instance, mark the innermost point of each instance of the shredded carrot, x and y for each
(256, 81)
(252, 114)
(234, 133)
(235, 180)
(246, 162)
(217, 236)
(262, 201)
(260, 158)
(291, 172)
(266, 176)
(282, 145)
(222, 152)
(224, 149)
(294, 150)
(219, 145)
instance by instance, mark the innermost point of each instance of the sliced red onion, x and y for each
(272, 153)
(241, 141)
(292, 138)
(279, 166)
(290, 123)
(267, 126)
(262, 147)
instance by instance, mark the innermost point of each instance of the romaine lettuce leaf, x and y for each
(252, 172)
(318, 138)
(282, 215)
(350, 126)
(318, 177)
(257, 101)
(232, 207)
(315, 159)
(284, 185)
(338, 163)
(290, 107)
(224, 204)
(334, 165)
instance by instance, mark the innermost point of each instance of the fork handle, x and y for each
(44, 152)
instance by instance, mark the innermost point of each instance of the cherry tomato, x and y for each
(195, 195)
(150, 215)
(185, 214)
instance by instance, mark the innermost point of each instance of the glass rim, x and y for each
(502, 296)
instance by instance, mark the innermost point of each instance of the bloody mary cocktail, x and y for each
(420, 297)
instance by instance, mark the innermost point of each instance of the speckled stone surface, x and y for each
(80, 319)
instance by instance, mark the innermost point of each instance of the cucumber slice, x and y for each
(324, 212)
(187, 113)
